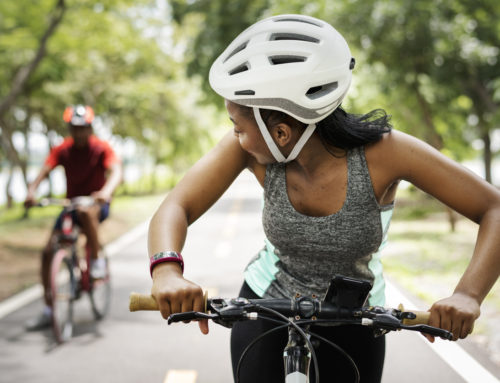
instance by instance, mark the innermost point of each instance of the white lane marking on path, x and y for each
(27, 296)
(454, 355)
(19, 300)
(181, 376)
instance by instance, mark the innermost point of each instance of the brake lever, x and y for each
(389, 322)
(444, 334)
(190, 315)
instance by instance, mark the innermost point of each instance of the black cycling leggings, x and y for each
(264, 362)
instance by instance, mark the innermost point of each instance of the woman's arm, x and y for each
(203, 184)
(471, 196)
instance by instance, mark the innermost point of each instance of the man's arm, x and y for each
(32, 187)
(113, 180)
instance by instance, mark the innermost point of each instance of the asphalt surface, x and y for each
(140, 347)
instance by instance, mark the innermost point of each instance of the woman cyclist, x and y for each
(329, 180)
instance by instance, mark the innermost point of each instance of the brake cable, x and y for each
(288, 322)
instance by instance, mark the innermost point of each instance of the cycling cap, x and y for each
(78, 115)
(297, 64)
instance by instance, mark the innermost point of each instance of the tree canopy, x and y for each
(111, 55)
(143, 65)
(432, 64)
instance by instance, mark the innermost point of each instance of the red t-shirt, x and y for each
(86, 167)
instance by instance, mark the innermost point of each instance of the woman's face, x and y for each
(248, 133)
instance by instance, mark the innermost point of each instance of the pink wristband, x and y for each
(165, 256)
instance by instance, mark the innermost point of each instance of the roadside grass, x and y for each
(427, 259)
(424, 255)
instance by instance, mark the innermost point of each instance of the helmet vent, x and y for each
(247, 92)
(319, 91)
(299, 21)
(240, 68)
(278, 60)
(238, 49)
(293, 36)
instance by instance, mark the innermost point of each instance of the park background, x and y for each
(143, 66)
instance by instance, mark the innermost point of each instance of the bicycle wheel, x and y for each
(62, 285)
(100, 293)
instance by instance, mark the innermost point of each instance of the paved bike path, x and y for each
(140, 347)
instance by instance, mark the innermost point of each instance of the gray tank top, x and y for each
(302, 253)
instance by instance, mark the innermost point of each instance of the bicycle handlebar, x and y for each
(66, 202)
(142, 302)
(227, 311)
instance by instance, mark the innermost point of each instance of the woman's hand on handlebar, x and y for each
(175, 294)
(456, 314)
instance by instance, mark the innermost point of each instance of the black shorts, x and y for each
(104, 213)
(264, 363)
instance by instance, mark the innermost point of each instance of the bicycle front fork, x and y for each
(297, 358)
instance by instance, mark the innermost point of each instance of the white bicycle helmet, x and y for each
(296, 64)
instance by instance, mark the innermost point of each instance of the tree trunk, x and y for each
(484, 104)
(8, 196)
(452, 218)
(18, 85)
(434, 139)
(154, 185)
(487, 156)
(23, 74)
(12, 158)
(431, 136)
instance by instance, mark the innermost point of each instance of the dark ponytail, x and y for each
(346, 131)
(340, 129)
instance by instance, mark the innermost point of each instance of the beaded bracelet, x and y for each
(165, 256)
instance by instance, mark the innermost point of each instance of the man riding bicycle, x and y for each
(92, 169)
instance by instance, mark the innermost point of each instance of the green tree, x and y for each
(432, 65)
(111, 55)
(19, 63)
(442, 56)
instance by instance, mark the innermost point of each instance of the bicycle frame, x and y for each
(297, 358)
(70, 273)
(69, 237)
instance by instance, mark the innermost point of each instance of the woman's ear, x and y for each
(282, 134)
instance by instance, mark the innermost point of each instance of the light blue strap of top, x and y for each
(278, 156)
(377, 293)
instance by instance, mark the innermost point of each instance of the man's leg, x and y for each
(47, 255)
(89, 222)
(89, 219)
(44, 319)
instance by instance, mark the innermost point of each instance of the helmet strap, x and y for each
(278, 156)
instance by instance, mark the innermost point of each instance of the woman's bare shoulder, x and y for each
(397, 150)
(229, 151)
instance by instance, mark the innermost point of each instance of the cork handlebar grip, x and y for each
(422, 317)
(145, 302)
(140, 302)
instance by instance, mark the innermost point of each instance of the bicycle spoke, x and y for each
(100, 294)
